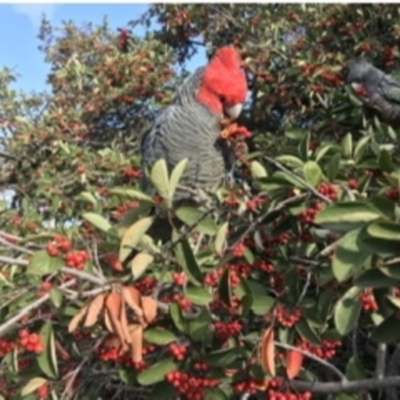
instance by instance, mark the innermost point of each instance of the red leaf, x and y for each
(294, 361)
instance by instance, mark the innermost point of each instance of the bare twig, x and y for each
(13, 246)
(35, 304)
(301, 180)
(347, 386)
(12, 260)
(380, 361)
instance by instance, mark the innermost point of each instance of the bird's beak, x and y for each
(356, 86)
(233, 111)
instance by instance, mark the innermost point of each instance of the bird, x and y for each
(190, 127)
(378, 91)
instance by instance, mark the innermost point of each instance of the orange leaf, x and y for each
(132, 297)
(107, 321)
(95, 306)
(113, 309)
(124, 323)
(136, 331)
(113, 303)
(149, 306)
(77, 318)
(267, 351)
(294, 361)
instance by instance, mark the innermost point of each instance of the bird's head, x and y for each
(363, 76)
(223, 85)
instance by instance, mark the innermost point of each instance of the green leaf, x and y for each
(200, 329)
(333, 167)
(295, 133)
(394, 300)
(47, 359)
(163, 390)
(186, 259)
(305, 330)
(347, 311)
(215, 394)
(157, 372)
(290, 161)
(56, 297)
(324, 305)
(175, 178)
(159, 177)
(360, 148)
(355, 369)
(199, 295)
(190, 216)
(347, 146)
(223, 358)
(374, 278)
(159, 336)
(87, 196)
(97, 220)
(261, 304)
(348, 257)
(388, 331)
(347, 215)
(140, 263)
(132, 236)
(312, 173)
(220, 239)
(42, 263)
(258, 170)
(304, 146)
(32, 385)
(385, 230)
(385, 161)
(224, 288)
(176, 315)
(132, 193)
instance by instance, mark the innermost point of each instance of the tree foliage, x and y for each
(286, 287)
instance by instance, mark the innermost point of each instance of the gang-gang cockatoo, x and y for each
(379, 91)
(190, 127)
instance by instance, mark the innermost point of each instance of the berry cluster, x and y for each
(326, 350)
(238, 250)
(328, 190)
(30, 341)
(179, 278)
(5, 347)
(183, 302)
(44, 287)
(43, 392)
(145, 285)
(368, 302)
(225, 330)
(264, 265)
(59, 244)
(392, 194)
(122, 209)
(249, 385)
(76, 258)
(178, 350)
(308, 215)
(352, 183)
(190, 386)
(130, 172)
(286, 316)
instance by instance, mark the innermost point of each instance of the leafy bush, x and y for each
(286, 288)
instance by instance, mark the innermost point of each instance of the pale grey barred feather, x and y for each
(188, 129)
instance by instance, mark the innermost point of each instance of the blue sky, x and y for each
(19, 26)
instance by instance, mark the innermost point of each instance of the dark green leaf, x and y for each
(186, 259)
(199, 295)
(156, 372)
(388, 331)
(190, 216)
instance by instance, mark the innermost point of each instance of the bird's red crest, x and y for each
(223, 80)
